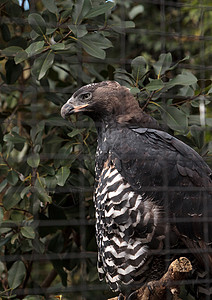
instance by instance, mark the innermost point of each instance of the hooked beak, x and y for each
(68, 109)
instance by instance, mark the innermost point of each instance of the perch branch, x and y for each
(169, 282)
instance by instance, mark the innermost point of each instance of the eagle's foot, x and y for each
(121, 297)
(133, 296)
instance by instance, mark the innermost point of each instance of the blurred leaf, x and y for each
(57, 47)
(121, 25)
(47, 61)
(75, 132)
(16, 274)
(35, 48)
(42, 64)
(12, 177)
(135, 90)
(203, 83)
(20, 56)
(154, 85)
(81, 8)
(41, 191)
(14, 138)
(11, 51)
(28, 232)
(198, 135)
(4, 240)
(182, 79)
(175, 119)
(139, 67)
(78, 30)
(1, 215)
(12, 196)
(5, 32)
(99, 10)
(136, 10)
(50, 5)
(13, 71)
(37, 23)
(25, 191)
(3, 184)
(62, 175)
(163, 64)
(175, 65)
(94, 43)
(33, 160)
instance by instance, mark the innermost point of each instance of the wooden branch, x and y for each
(169, 282)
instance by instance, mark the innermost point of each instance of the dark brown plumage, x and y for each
(153, 192)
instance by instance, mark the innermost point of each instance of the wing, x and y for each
(160, 166)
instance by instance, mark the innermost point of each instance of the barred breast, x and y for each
(128, 226)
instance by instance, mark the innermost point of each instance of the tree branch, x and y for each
(169, 282)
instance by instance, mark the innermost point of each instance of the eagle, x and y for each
(153, 193)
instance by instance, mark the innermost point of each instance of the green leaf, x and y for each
(136, 10)
(81, 8)
(11, 51)
(3, 184)
(182, 79)
(198, 135)
(75, 132)
(120, 26)
(12, 197)
(35, 48)
(28, 232)
(13, 71)
(134, 90)
(139, 67)
(16, 274)
(14, 138)
(37, 23)
(163, 64)
(155, 85)
(94, 43)
(62, 175)
(174, 66)
(99, 10)
(5, 32)
(50, 5)
(78, 30)
(40, 190)
(176, 119)
(12, 177)
(57, 47)
(203, 83)
(20, 56)
(1, 214)
(33, 160)
(210, 91)
(46, 61)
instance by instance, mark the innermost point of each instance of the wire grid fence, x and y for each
(163, 35)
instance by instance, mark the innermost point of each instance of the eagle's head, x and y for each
(107, 100)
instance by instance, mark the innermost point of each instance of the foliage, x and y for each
(47, 163)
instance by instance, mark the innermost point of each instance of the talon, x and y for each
(150, 287)
(121, 297)
(133, 296)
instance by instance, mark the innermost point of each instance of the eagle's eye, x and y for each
(86, 96)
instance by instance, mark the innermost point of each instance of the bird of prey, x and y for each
(153, 193)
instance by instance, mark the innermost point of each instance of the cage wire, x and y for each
(169, 33)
